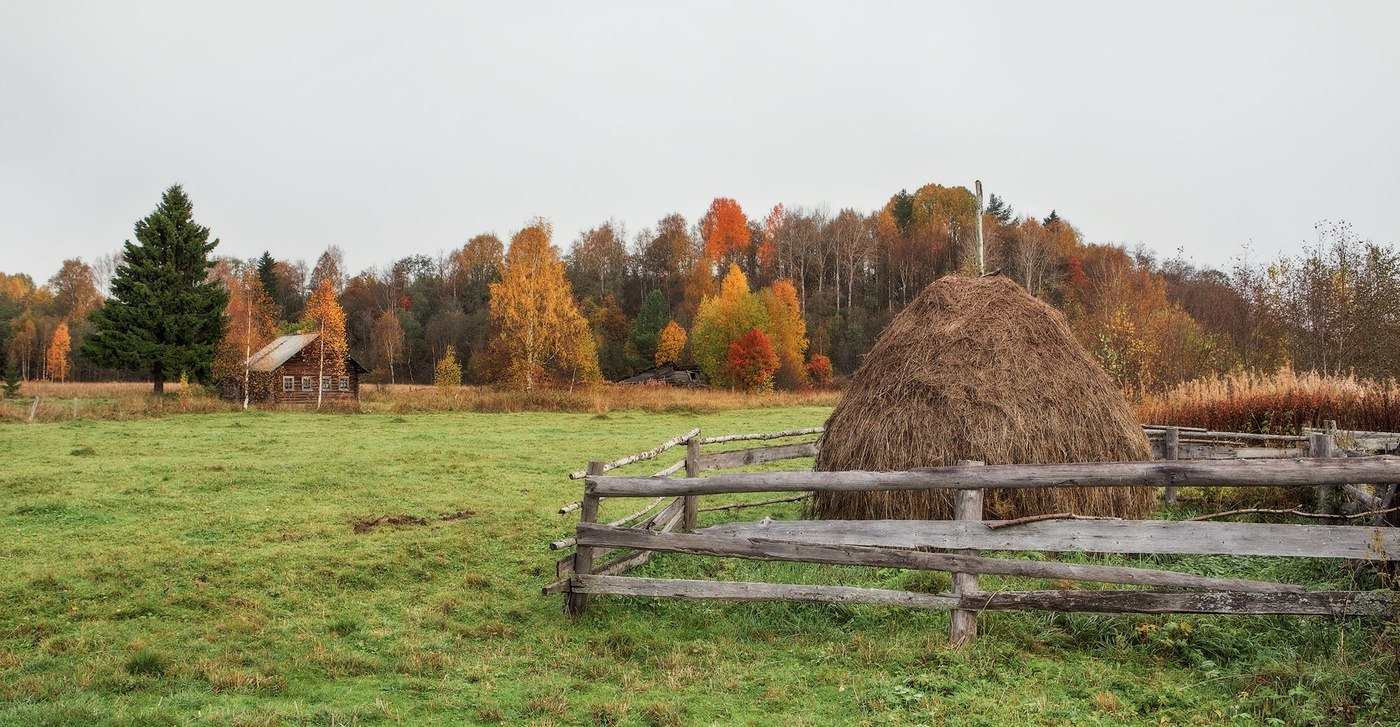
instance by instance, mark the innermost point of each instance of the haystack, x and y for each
(979, 369)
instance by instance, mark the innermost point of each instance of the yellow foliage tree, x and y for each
(721, 320)
(670, 343)
(325, 316)
(539, 330)
(448, 374)
(788, 332)
(252, 324)
(58, 353)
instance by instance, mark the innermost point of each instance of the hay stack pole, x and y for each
(975, 368)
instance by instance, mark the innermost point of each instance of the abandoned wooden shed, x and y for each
(286, 372)
(667, 373)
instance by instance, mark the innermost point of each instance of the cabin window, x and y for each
(289, 383)
(345, 383)
(325, 383)
(306, 383)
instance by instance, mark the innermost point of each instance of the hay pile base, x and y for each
(978, 369)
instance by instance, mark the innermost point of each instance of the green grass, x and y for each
(205, 569)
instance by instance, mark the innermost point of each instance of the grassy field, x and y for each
(207, 568)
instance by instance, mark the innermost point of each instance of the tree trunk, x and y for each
(158, 379)
(321, 372)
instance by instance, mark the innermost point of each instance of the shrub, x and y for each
(448, 374)
(751, 362)
(819, 371)
(1280, 403)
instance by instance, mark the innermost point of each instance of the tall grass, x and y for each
(1280, 403)
(122, 401)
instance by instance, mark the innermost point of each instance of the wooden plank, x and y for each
(1198, 435)
(1320, 603)
(1220, 451)
(629, 459)
(756, 455)
(692, 469)
(770, 435)
(748, 591)
(1316, 603)
(1171, 450)
(1236, 473)
(792, 551)
(1320, 445)
(1092, 536)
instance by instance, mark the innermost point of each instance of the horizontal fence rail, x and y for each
(1181, 473)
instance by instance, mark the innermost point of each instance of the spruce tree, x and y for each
(267, 275)
(12, 382)
(646, 330)
(164, 314)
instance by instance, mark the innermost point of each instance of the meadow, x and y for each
(290, 567)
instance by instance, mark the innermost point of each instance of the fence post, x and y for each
(691, 504)
(33, 409)
(1320, 445)
(967, 506)
(1171, 449)
(576, 603)
(75, 407)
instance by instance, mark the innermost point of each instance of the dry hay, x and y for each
(978, 369)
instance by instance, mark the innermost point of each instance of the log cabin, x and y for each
(286, 371)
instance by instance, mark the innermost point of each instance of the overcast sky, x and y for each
(398, 128)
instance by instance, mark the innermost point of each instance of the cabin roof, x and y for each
(274, 354)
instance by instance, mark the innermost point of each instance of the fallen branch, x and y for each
(1294, 511)
(737, 505)
(999, 524)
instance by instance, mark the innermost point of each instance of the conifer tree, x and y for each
(645, 330)
(164, 315)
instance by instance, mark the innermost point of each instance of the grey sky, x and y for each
(399, 128)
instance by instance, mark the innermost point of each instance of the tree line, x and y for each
(787, 298)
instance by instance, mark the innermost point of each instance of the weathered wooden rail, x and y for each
(1193, 458)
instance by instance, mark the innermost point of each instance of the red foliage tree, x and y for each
(752, 362)
(726, 231)
(819, 371)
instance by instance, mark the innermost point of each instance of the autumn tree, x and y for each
(670, 344)
(164, 314)
(750, 362)
(819, 371)
(330, 266)
(539, 330)
(788, 332)
(723, 319)
(74, 289)
(386, 342)
(325, 317)
(24, 337)
(58, 353)
(252, 324)
(448, 373)
(725, 230)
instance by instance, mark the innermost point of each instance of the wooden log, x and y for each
(1365, 498)
(1315, 603)
(757, 455)
(967, 508)
(1163, 427)
(565, 510)
(1237, 473)
(33, 409)
(1171, 450)
(1099, 536)
(800, 552)
(747, 591)
(692, 469)
(1320, 603)
(1201, 435)
(760, 503)
(1187, 450)
(75, 407)
(770, 435)
(575, 604)
(1386, 502)
(671, 470)
(629, 459)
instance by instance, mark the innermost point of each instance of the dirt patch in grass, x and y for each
(367, 524)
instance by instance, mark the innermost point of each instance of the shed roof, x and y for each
(276, 353)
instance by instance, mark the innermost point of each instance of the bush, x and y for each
(819, 371)
(448, 374)
(1280, 403)
(751, 362)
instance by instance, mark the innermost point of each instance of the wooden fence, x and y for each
(903, 544)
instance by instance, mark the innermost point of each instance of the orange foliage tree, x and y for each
(325, 316)
(721, 320)
(252, 324)
(788, 332)
(819, 371)
(751, 362)
(539, 331)
(726, 231)
(670, 343)
(58, 353)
